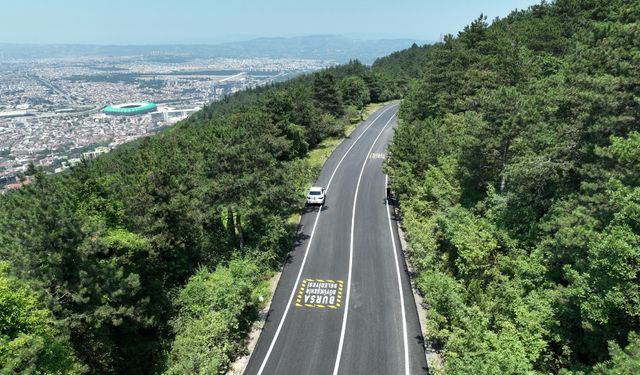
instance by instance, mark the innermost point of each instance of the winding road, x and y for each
(344, 304)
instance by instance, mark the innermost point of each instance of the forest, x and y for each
(155, 258)
(516, 169)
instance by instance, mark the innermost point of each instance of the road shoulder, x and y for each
(317, 157)
(434, 359)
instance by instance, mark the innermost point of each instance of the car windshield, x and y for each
(314, 193)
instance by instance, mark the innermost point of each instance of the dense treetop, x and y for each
(152, 257)
(516, 163)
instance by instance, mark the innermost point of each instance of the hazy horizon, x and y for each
(199, 22)
(247, 38)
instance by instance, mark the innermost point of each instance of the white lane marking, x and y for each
(395, 257)
(306, 252)
(353, 218)
(354, 143)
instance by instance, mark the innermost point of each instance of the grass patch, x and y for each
(372, 107)
(292, 222)
(316, 157)
(321, 153)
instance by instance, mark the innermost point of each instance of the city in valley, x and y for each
(53, 110)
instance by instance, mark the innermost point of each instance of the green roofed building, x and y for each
(129, 109)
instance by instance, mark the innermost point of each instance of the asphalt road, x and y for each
(344, 304)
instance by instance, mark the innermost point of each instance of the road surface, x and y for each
(343, 304)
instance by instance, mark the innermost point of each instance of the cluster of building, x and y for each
(52, 111)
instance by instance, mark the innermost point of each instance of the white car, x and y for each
(316, 195)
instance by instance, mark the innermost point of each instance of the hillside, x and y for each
(155, 258)
(516, 165)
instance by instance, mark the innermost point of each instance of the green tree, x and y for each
(354, 91)
(326, 94)
(516, 166)
(623, 361)
(30, 343)
(214, 311)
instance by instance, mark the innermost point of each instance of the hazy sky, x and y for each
(202, 21)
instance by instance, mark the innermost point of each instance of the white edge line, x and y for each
(353, 218)
(354, 143)
(395, 257)
(304, 260)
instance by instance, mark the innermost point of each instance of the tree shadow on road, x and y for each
(302, 234)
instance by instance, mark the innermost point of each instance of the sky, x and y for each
(214, 21)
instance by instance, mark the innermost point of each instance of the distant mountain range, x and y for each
(323, 47)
